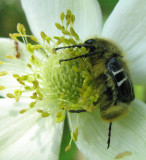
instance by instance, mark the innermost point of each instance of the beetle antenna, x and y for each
(81, 56)
(73, 46)
(109, 135)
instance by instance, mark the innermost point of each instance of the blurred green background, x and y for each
(11, 13)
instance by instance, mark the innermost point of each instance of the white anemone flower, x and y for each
(28, 136)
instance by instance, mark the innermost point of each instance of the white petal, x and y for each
(8, 48)
(43, 14)
(12, 66)
(128, 135)
(127, 27)
(27, 136)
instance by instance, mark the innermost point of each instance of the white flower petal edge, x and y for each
(128, 135)
(127, 27)
(27, 136)
(12, 66)
(8, 48)
(43, 14)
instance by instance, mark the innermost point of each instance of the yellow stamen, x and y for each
(45, 114)
(30, 48)
(62, 15)
(23, 111)
(34, 96)
(43, 35)
(32, 104)
(3, 73)
(21, 28)
(2, 87)
(60, 116)
(68, 148)
(33, 38)
(58, 26)
(10, 57)
(13, 37)
(1, 62)
(10, 95)
(74, 33)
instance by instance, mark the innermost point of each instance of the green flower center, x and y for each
(70, 82)
(61, 79)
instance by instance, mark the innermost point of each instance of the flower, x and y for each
(39, 138)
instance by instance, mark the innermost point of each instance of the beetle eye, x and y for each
(89, 41)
